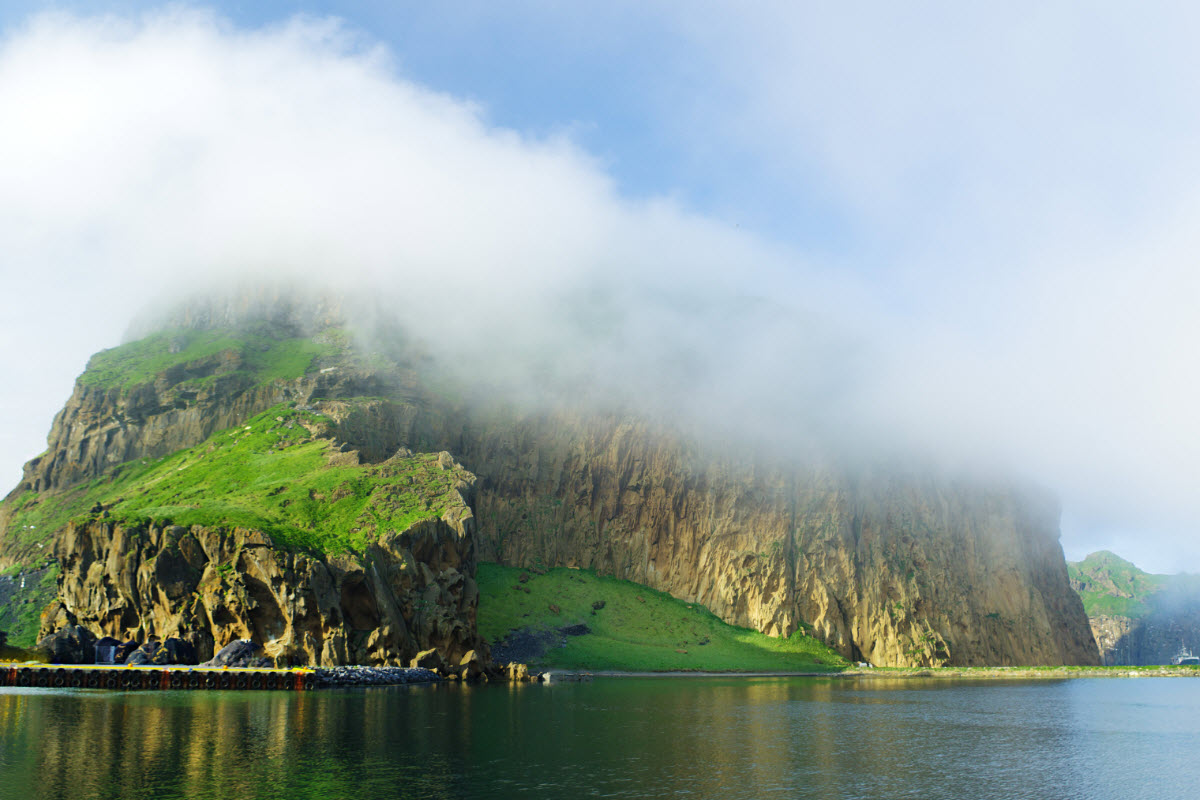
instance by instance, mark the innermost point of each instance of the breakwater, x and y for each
(148, 678)
(131, 678)
(374, 676)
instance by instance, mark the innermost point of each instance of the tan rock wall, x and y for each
(893, 570)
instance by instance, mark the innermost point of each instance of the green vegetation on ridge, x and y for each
(21, 620)
(1109, 585)
(256, 353)
(636, 628)
(278, 473)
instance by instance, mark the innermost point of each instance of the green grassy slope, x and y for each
(272, 474)
(1110, 585)
(22, 601)
(261, 355)
(636, 629)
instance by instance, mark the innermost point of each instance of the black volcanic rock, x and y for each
(72, 644)
(238, 653)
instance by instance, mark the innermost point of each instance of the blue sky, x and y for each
(960, 228)
(620, 79)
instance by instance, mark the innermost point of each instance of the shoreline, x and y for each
(982, 673)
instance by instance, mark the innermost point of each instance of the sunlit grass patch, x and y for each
(273, 474)
(260, 355)
(635, 628)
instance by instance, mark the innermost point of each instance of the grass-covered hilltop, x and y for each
(244, 480)
(1138, 618)
(1111, 586)
(272, 467)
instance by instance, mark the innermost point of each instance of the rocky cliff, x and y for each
(887, 567)
(406, 592)
(1155, 639)
(23, 596)
(325, 552)
(893, 566)
(106, 423)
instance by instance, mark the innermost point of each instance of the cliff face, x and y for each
(23, 596)
(1155, 639)
(890, 568)
(407, 592)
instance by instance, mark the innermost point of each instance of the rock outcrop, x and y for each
(69, 644)
(238, 653)
(408, 592)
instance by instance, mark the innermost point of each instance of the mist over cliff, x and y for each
(262, 412)
(174, 153)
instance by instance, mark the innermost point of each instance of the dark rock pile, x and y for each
(72, 644)
(239, 653)
(375, 676)
(75, 644)
(526, 645)
(473, 666)
(172, 651)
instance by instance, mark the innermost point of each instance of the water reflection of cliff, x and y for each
(199, 744)
(723, 737)
(435, 741)
(733, 737)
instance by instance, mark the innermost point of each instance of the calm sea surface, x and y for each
(615, 737)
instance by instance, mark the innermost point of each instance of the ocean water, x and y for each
(614, 737)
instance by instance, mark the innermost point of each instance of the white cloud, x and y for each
(173, 152)
(1021, 185)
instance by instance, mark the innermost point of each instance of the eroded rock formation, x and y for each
(101, 427)
(409, 591)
